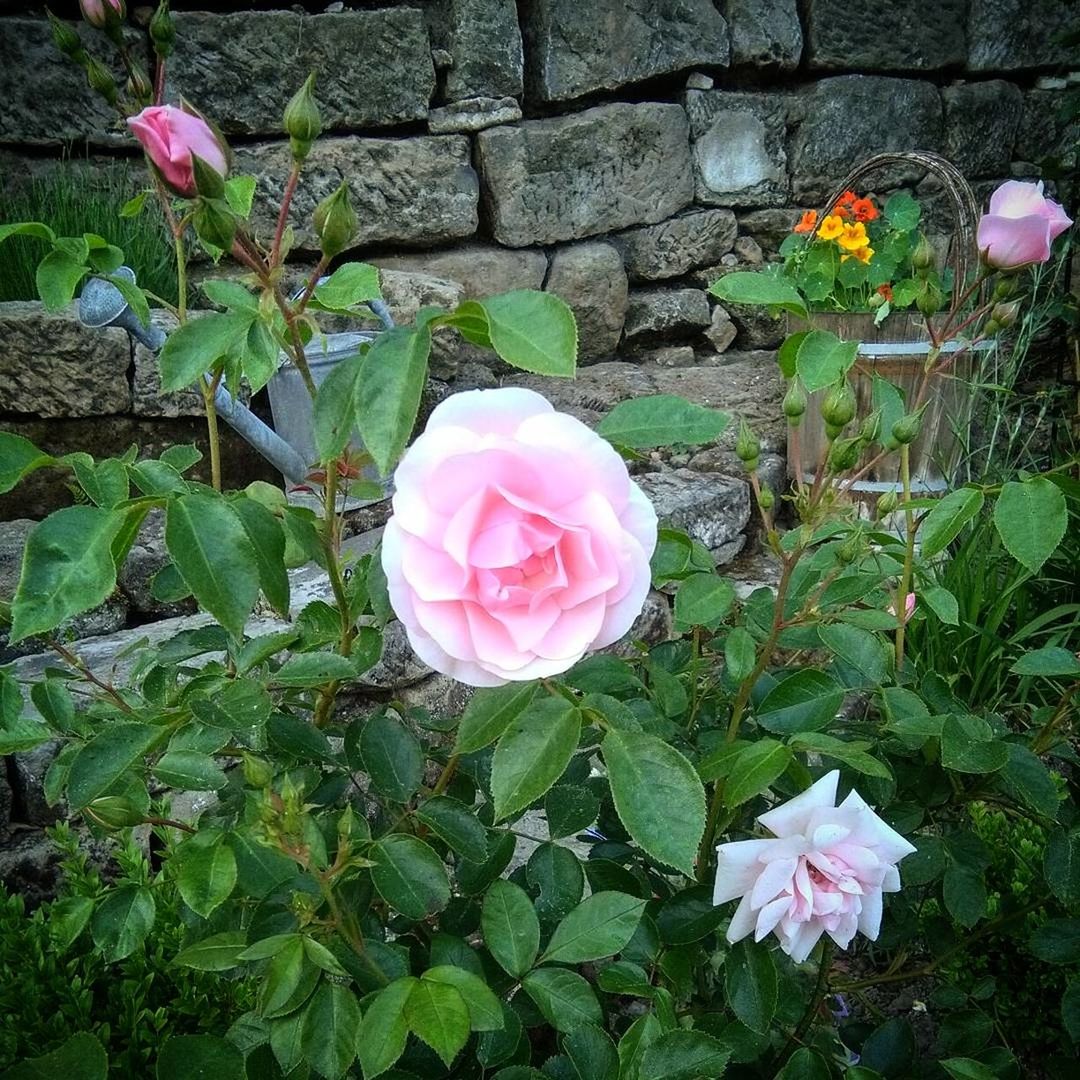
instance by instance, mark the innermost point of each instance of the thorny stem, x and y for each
(169, 823)
(283, 215)
(312, 282)
(446, 775)
(159, 81)
(909, 555)
(209, 388)
(80, 665)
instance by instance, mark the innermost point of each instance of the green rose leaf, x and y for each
(122, 920)
(187, 1057)
(661, 420)
(511, 928)
(750, 984)
(944, 522)
(1031, 518)
(599, 926)
(409, 876)
(489, 713)
(766, 289)
(437, 1014)
(756, 767)
(330, 1029)
(564, 997)
(384, 1031)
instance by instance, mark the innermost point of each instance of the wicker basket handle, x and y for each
(962, 201)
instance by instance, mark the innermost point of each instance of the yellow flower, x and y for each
(853, 237)
(832, 227)
(863, 254)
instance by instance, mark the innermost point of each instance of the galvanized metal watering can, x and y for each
(290, 449)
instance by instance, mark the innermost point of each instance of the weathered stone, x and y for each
(654, 314)
(574, 49)
(1044, 131)
(668, 356)
(721, 330)
(653, 625)
(696, 81)
(406, 292)
(591, 279)
(738, 141)
(764, 33)
(771, 470)
(7, 799)
(1010, 35)
(44, 97)
(28, 771)
(442, 696)
(483, 42)
(851, 117)
(148, 399)
(713, 509)
(922, 35)
(770, 228)
(398, 666)
(595, 171)
(373, 67)
(147, 556)
(47, 489)
(51, 365)
(981, 122)
(481, 269)
(473, 114)
(413, 191)
(671, 248)
(749, 251)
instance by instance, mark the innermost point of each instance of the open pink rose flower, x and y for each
(518, 540)
(823, 874)
(1020, 227)
(170, 136)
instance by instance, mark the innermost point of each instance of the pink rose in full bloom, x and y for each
(95, 12)
(170, 136)
(824, 873)
(1020, 227)
(518, 540)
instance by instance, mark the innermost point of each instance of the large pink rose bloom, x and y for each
(824, 873)
(170, 136)
(1020, 227)
(518, 541)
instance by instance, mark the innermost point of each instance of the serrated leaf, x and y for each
(754, 770)
(454, 823)
(511, 928)
(103, 760)
(1031, 518)
(206, 874)
(750, 984)
(330, 1029)
(534, 331)
(807, 700)
(122, 920)
(383, 1031)
(18, 458)
(489, 713)
(661, 420)
(703, 600)
(218, 952)
(944, 522)
(684, 1055)
(823, 359)
(485, 1009)
(409, 876)
(564, 997)
(600, 926)
(436, 1013)
(392, 757)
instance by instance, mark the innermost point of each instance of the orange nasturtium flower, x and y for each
(853, 237)
(832, 228)
(806, 222)
(885, 291)
(864, 210)
(843, 206)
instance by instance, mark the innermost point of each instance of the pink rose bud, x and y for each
(909, 607)
(823, 874)
(1020, 227)
(96, 12)
(518, 540)
(170, 136)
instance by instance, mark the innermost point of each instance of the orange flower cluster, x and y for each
(846, 225)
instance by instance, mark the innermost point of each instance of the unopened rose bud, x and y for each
(258, 772)
(302, 121)
(747, 446)
(98, 12)
(834, 431)
(795, 402)
(887, 503)
(115, 812)
(162, 31)
(923, 257)
(172, 137)
(335, 222)
(906, 429)
(214, 222)
(66, 39)
(839, 405)
(849, 550)
(766, 500)
(1005, 314)
(929, 299)
(990, 328)
(870, 429)
(844, 455)
(1004, 288)
(101, 80)
(139, 86)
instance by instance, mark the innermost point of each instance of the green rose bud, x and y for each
(1004, 288)
(870, 429)
(930, 298)
(115, 812)
(833, 431)
(766, 500)
(1005, 314)
(906, 429)
(66, 39)
(844, 455)
(101, 80)
(747, 446)
(887, 503)
(850, 549)
(838, 408)
(258, 772)
(924, 257)
(302, 121)
(139, 86)
(162, 31)
(795, 402)
(215, 223)
(335, 222)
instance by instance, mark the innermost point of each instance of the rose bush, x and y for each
(518, 540)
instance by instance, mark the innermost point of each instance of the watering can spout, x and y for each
(102, 304)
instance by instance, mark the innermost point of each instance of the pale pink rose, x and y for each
(909, 607)
(95, 12)
(518, 540)
(824, 873)
(1020, 227)
(170, 136)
